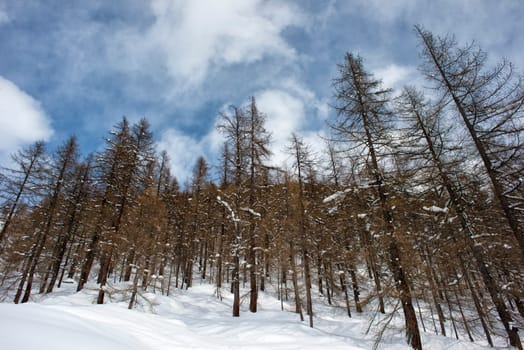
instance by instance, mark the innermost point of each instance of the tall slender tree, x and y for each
(490, 103)
(74, 211)
(132, 151)
(257, 153)
(303, 162)
(363, 112)
(21, 181)
(66, 158)
(425, 120)
(233, 127)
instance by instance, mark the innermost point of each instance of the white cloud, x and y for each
(491, 25)
(286, 110)
(22, 119)
(183, 151)
(394, 76)
(4, 17)
(285, 115)
(386, 11)
(291, 109)
(191, 37)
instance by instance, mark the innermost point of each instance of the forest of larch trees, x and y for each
(417, 200)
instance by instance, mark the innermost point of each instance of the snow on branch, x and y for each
(435, 209)
(228, 207)
(251, 211)
(337, 196)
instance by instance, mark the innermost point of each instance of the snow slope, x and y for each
(192, 319)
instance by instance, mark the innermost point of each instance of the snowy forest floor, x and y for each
(193, 319)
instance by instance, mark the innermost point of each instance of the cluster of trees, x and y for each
(426, 213)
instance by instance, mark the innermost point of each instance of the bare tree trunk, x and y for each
(294, 279)
(330, 282)
(434, 292)
(251, 260)
(373, 269)
(135, 288)
(307, 275)
(464, 320)
(356, 291)
(467, 230)
(235, 285)
(88, 262)
(65, 265)
(104, 272)
(498, 188)
(344, 287)
(33, 154)
(130, 260)
(26, 269)
(450, 308)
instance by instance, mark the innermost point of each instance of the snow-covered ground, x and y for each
(188, 319)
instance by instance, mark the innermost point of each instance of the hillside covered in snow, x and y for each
(194, 319)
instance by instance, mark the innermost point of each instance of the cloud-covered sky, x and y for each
(79, 66)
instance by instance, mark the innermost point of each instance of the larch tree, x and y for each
(423, 119)
(490, 103)
(110, 166)
(233, 126)
(120, 169)
(257, 153)
(302, 163)
(74, 213)
(363, 114)
(66, 158)
(247, 150)
(133, 152)
(22, 181)
(199, 186)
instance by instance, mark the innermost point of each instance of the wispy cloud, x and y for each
(183, 151)
(4, 17)
(489, 23)
(190, 39)
(22, 119)
(292, 108)
(177, 62)
(395, 77)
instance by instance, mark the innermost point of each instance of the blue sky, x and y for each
(79, 66)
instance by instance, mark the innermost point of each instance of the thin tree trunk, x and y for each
(235, 285)
(488, 280)
(251, 260)
(104, 272)
(135, 289)
(169, 278)
(476, 301)
(373, 268)
(298, 304)
(66, 263)
(307, 275)
(450, 309)
(25, 270)
(356, 291)
(329, 285)
(434, 292)
(420, 316)
(464, 320)
(498, 189)
(343, 284)
(36, 153)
